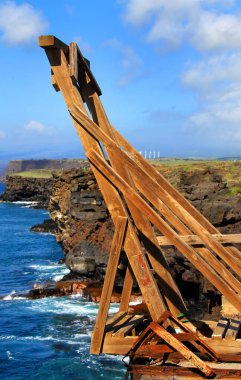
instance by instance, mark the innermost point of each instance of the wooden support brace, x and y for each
(73, 62)
(196, 240)
(188, 251)
(181, 348)
(117, 243)
(148, 238)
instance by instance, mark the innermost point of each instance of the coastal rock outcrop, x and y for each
(84, 227)
(18, 188)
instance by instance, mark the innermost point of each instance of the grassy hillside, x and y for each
(230, 170)
(41, 173)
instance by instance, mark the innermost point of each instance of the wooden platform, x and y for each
(122, 330)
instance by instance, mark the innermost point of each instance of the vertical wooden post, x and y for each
(117, 242)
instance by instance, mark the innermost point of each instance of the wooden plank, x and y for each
(129, 326)
(170, 372)
(221, 328)
(119, 324)
(163, 227)
(195, 240)
(121, 346)
(178, 346)
(73, 62)
(112, 199)
(114, 319)
(118, 346)
(114, 256)
(84, 64)
(220, 268)
(127, 288)
(51, 41)
(233, 329)
(157, 259)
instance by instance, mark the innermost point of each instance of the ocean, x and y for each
(48, 338)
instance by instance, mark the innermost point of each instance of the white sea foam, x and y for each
(12, 296)
(47, 267)
(9, 355)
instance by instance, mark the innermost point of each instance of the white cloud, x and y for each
(219, 69)
(35, 126)
(217, 84)
(202, 23)
(213, 28)
(130, 62)
(20, 24)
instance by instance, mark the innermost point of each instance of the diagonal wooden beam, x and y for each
(133, 249)
(148, 236)
(149, 169)
(114, 256)
(181, 348)
(153, 192)
(187, 251)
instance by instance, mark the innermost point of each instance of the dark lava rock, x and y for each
(48, 226)
(19, 188)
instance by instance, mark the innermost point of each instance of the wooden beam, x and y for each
(221, 328)
(196, 240)
(180, 347)
(129, 326)
(73, 62)
(51, 41)
(233, 329)
(220, 268)
(114, 256)
(152, 191)
(149, 241)
(127, 288)
(111, 196)
(163, 227)
(150, 170)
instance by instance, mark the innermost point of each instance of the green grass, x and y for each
(235, 190)
(41, 173)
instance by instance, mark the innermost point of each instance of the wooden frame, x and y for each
(138, 198)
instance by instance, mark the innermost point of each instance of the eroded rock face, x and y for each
(84, 227)
(19, 188)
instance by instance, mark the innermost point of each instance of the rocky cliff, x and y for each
(16, 166)
(19, 188)
(84, 227)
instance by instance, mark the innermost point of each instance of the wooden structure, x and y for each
(139, 199)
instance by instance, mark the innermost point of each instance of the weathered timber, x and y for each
(113, 201)
(117, 243)
(149, 241)
(233, 329)
(221, 328)
(155, 193)
(127, 288)
(195, 240)
(163, 227)
(73, 62)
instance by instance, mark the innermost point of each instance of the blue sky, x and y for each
(170, 73)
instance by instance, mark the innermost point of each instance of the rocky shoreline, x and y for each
(83, 227)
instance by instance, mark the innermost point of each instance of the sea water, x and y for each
(47, 338)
